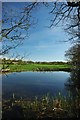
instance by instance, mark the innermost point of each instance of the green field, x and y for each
(38, 67)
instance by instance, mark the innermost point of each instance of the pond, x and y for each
(30, 84)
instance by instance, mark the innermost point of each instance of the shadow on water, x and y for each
(73, 86)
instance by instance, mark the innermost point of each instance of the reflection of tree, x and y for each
(73, 83)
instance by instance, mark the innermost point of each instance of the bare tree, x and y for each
(66, 12)
(14, 24)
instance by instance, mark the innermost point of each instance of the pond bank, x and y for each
(46, 107)
(6, 72)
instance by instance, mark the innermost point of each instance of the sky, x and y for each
(43, 43)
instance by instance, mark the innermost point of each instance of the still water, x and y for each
(30, 84)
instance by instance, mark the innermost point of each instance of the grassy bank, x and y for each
(44, 108)
(39, 67)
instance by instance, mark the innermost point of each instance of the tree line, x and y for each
(9, 61)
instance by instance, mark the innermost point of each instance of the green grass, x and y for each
(38, 67)
(1, 65)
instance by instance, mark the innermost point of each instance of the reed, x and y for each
(57, 106)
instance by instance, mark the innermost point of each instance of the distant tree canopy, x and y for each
(20, 61)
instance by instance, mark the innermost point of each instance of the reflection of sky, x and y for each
(44, 44)
(32, 84)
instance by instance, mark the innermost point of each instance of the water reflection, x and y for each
(30, 84)
(73, 83)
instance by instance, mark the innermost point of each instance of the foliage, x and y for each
(73, 55)
(46, 107)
